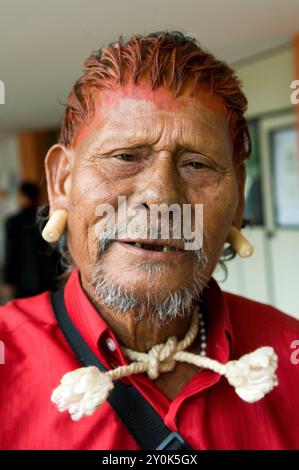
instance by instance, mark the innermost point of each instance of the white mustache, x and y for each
(115, 233)
(157, 222)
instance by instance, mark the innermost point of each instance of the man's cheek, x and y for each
(219, 209)
(218, 214)
(225, 201)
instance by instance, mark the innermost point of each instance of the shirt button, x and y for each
(111, 344)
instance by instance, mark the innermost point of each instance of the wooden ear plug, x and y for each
(239, 243)
(55, 226)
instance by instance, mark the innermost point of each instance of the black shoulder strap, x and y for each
(140, 418)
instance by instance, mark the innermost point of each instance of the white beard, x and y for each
(160, 308)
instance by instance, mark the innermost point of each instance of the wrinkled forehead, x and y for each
(117, 106)
(140, 97)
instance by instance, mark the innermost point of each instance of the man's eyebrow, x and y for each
(119, 140)
(190, 149)
(140, 145)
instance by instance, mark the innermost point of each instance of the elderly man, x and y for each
(141, 349)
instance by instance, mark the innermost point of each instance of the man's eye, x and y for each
(125, 157)
(197, 165)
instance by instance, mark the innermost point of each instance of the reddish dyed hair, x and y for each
(168, 59)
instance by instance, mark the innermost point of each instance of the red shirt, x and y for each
(207, 412)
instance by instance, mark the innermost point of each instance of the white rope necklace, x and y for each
(83, 390)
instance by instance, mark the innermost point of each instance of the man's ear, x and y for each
(241, 179)
(58, 163)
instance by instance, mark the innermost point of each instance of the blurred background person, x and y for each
(29, 266)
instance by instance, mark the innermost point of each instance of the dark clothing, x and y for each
(30, 265)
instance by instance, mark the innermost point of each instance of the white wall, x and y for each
(266, 82)
(272, 274)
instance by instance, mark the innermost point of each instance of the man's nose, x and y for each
(160, 183)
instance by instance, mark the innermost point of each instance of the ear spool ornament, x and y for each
(55, 226)
(239, 243)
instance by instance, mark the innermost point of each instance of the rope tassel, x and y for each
(83, 390)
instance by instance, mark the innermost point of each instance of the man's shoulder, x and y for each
(249, 312)
(36, 309)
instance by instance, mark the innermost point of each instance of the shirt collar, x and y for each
(94, 329)
(83, 313)
(220, 337)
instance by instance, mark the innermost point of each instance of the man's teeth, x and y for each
(166, 248)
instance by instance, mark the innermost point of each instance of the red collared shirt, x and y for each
(207, 412)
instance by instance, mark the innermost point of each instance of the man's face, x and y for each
(151, 148)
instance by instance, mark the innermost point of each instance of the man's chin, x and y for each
(146, 285)
(158, 300)
(163, 290)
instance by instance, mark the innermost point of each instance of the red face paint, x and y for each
(162, 99)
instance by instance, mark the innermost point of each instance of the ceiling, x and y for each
(43, 43)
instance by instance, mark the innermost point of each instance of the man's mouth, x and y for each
(154, 247)
(166, 247)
